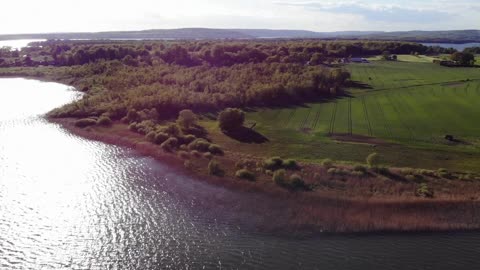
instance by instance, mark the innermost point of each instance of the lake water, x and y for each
(18, 43)
(70, 203)
(459, 47)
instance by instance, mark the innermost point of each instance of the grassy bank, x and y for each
(338, 203)
(404, 111)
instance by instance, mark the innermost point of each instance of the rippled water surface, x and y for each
(70, 203)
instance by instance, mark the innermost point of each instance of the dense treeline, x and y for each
(472, 50)
(115, 88)
(163, 77)
(215, 53)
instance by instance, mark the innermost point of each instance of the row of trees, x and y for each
(213, 53)
(115, 88)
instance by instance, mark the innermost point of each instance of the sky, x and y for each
(34, 16)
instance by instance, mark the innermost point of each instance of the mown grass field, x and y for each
(408, 108)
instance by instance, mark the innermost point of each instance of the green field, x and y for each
(410, 107)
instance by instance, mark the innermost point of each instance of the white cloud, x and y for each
(27, 16)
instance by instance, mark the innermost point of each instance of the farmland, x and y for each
(403, 111)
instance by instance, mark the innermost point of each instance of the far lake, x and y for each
(459, 47)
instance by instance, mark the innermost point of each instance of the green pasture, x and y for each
(409, 106)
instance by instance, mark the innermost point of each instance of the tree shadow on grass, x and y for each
(246, 135)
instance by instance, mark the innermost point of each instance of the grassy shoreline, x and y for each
(313, 212)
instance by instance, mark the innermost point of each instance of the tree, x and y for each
(464, 59)
(231, 119)
(186, 119)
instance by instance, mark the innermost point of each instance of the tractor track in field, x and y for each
(290, 116)
(332, 118)
(367, 118)
(407, 107)
(376, 91)
(303, 125)
(397, 111)
(382, 112)
(317, 117)
(350, 129)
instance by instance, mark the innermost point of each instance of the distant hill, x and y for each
(457, 36)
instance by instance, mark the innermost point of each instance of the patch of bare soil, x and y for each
(343, 137)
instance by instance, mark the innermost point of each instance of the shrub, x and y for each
(195, 153)
(132, 127)
(183, 155)
(444, 173)
(230, 119)
(215, 149)
(382, 170)
(172, 130)
(85, 122)
(208, 155)
(245, 174)
(332, 171)
(327, 163)
(424, 191)
(360, 168)
(132, 116)
(358, 173)
(104, 121)
(273, 163)
(199, 144)
(410, 177)
(280, 177)
(372, 160)
(296, 182)
(145, 127)
(151, 136)
(214, 168)
(290, 164)
(186, 119)
(161, 137)
(170, 144)
(188, 138)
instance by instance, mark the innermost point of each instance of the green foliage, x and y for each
(85, 122)
(273, 163)
(195, 153)
(290, 164)
(280, 177)
(215, 149)
(245, 174)
(372, 160)
(207, 155)
(296, 182)
(200, 145)
(170, 144)
(215, 169)
(183, 154)
(360, 168)
(425, 191)
(463, 58)
(186, 119)
(172, 130)
(231, 119)
(327, 163)
(104, 121)
(160, 137)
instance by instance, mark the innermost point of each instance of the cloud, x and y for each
(375, 12)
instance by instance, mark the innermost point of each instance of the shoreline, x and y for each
(316, 213)
(326, 213)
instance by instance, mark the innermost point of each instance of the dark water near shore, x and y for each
(70, 203)
(459, 47)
